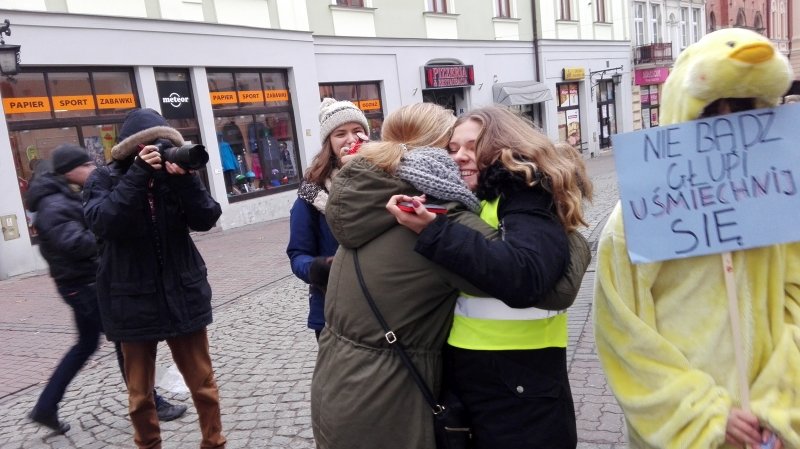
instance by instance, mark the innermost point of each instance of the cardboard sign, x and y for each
(720, 184)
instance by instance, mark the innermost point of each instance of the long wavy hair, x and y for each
(412, 126)
(512, 141)
(322, 165)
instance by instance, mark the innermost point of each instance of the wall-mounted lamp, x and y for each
(414, 92)
(599, 75)
(9, 54)
(480, 86)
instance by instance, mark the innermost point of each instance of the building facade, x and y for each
(245, 79)
(660, 31)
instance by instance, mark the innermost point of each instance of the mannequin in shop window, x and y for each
(229, 164)
(270, 158)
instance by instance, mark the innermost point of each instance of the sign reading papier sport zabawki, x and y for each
(708, 186)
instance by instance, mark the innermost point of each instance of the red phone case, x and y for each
(406, 206)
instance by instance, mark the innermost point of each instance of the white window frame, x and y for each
(601, 11)
(430, 6)
(639, 9)
(684, 27)
(696, 21)
(656, 18)
(571, 9)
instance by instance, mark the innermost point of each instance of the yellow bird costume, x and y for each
(662, 329)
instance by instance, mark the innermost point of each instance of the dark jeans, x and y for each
(83, 301)
(515, 399)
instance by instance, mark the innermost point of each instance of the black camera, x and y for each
(188, 157)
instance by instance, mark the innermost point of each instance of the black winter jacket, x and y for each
(65, 241)
(532, 255)
(152, 282)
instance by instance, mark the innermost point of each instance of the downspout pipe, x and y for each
(537, 71)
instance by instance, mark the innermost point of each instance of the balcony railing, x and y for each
(660, 52)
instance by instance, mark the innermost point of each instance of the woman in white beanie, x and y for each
(311, 244)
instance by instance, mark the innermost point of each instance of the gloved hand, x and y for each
(319, 271)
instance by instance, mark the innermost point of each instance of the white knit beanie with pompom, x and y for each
(333, 114)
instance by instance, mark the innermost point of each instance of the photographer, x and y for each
(152, 280)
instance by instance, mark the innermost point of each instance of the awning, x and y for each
(520, 92)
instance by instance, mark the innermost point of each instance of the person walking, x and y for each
(311, 244)
(70, 250)
(152, 282)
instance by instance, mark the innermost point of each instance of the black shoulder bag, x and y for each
(448, 419)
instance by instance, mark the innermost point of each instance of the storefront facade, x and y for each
(459, 75)
(648, 82)
(591, 81)
(80, 90)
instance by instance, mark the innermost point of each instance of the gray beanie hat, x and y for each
(333, 114)
(431, 171)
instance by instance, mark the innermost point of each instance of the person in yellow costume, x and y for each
(662, 329)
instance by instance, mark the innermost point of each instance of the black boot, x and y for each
(49, 421)
(167, 411)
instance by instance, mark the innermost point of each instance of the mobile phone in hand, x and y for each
(406, 206)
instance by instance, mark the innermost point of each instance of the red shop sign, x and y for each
(655, 75)
(449, 76)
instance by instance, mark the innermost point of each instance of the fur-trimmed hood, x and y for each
(130, 145)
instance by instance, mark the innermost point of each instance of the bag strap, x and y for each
(395, 343)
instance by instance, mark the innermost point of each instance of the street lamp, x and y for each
(9, 54)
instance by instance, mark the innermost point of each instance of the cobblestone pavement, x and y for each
(262, 352)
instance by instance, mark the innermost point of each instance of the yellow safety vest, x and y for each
(489, 324)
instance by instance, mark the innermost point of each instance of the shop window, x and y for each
(71, 93)
(569, 116)
(114, 91)
(26, 98)
(255, 132)
(45, 109)
(650, 105)
(532, 112)
(367, 96)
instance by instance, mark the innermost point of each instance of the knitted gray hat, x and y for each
(333, 114)
(432, 172)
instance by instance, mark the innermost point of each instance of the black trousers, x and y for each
(515, 399)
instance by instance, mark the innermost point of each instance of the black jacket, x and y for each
(152, 281)
(528, 261)
(65, 241)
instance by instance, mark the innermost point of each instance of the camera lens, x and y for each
(188, 157)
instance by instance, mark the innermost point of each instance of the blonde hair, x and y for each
(521, 149)
(412, 126)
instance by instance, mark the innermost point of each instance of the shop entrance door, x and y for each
(606, 112)
(452, 99)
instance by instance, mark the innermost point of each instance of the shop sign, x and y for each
(449, 76)
(655, 75)
(369, 105)
(224, 97)
(573, 73)
(116, 101)
(24, 105)
(176, 101)
(276, 95)
(251, 96)
(73, 102)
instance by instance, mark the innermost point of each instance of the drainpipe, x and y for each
(537, 71)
